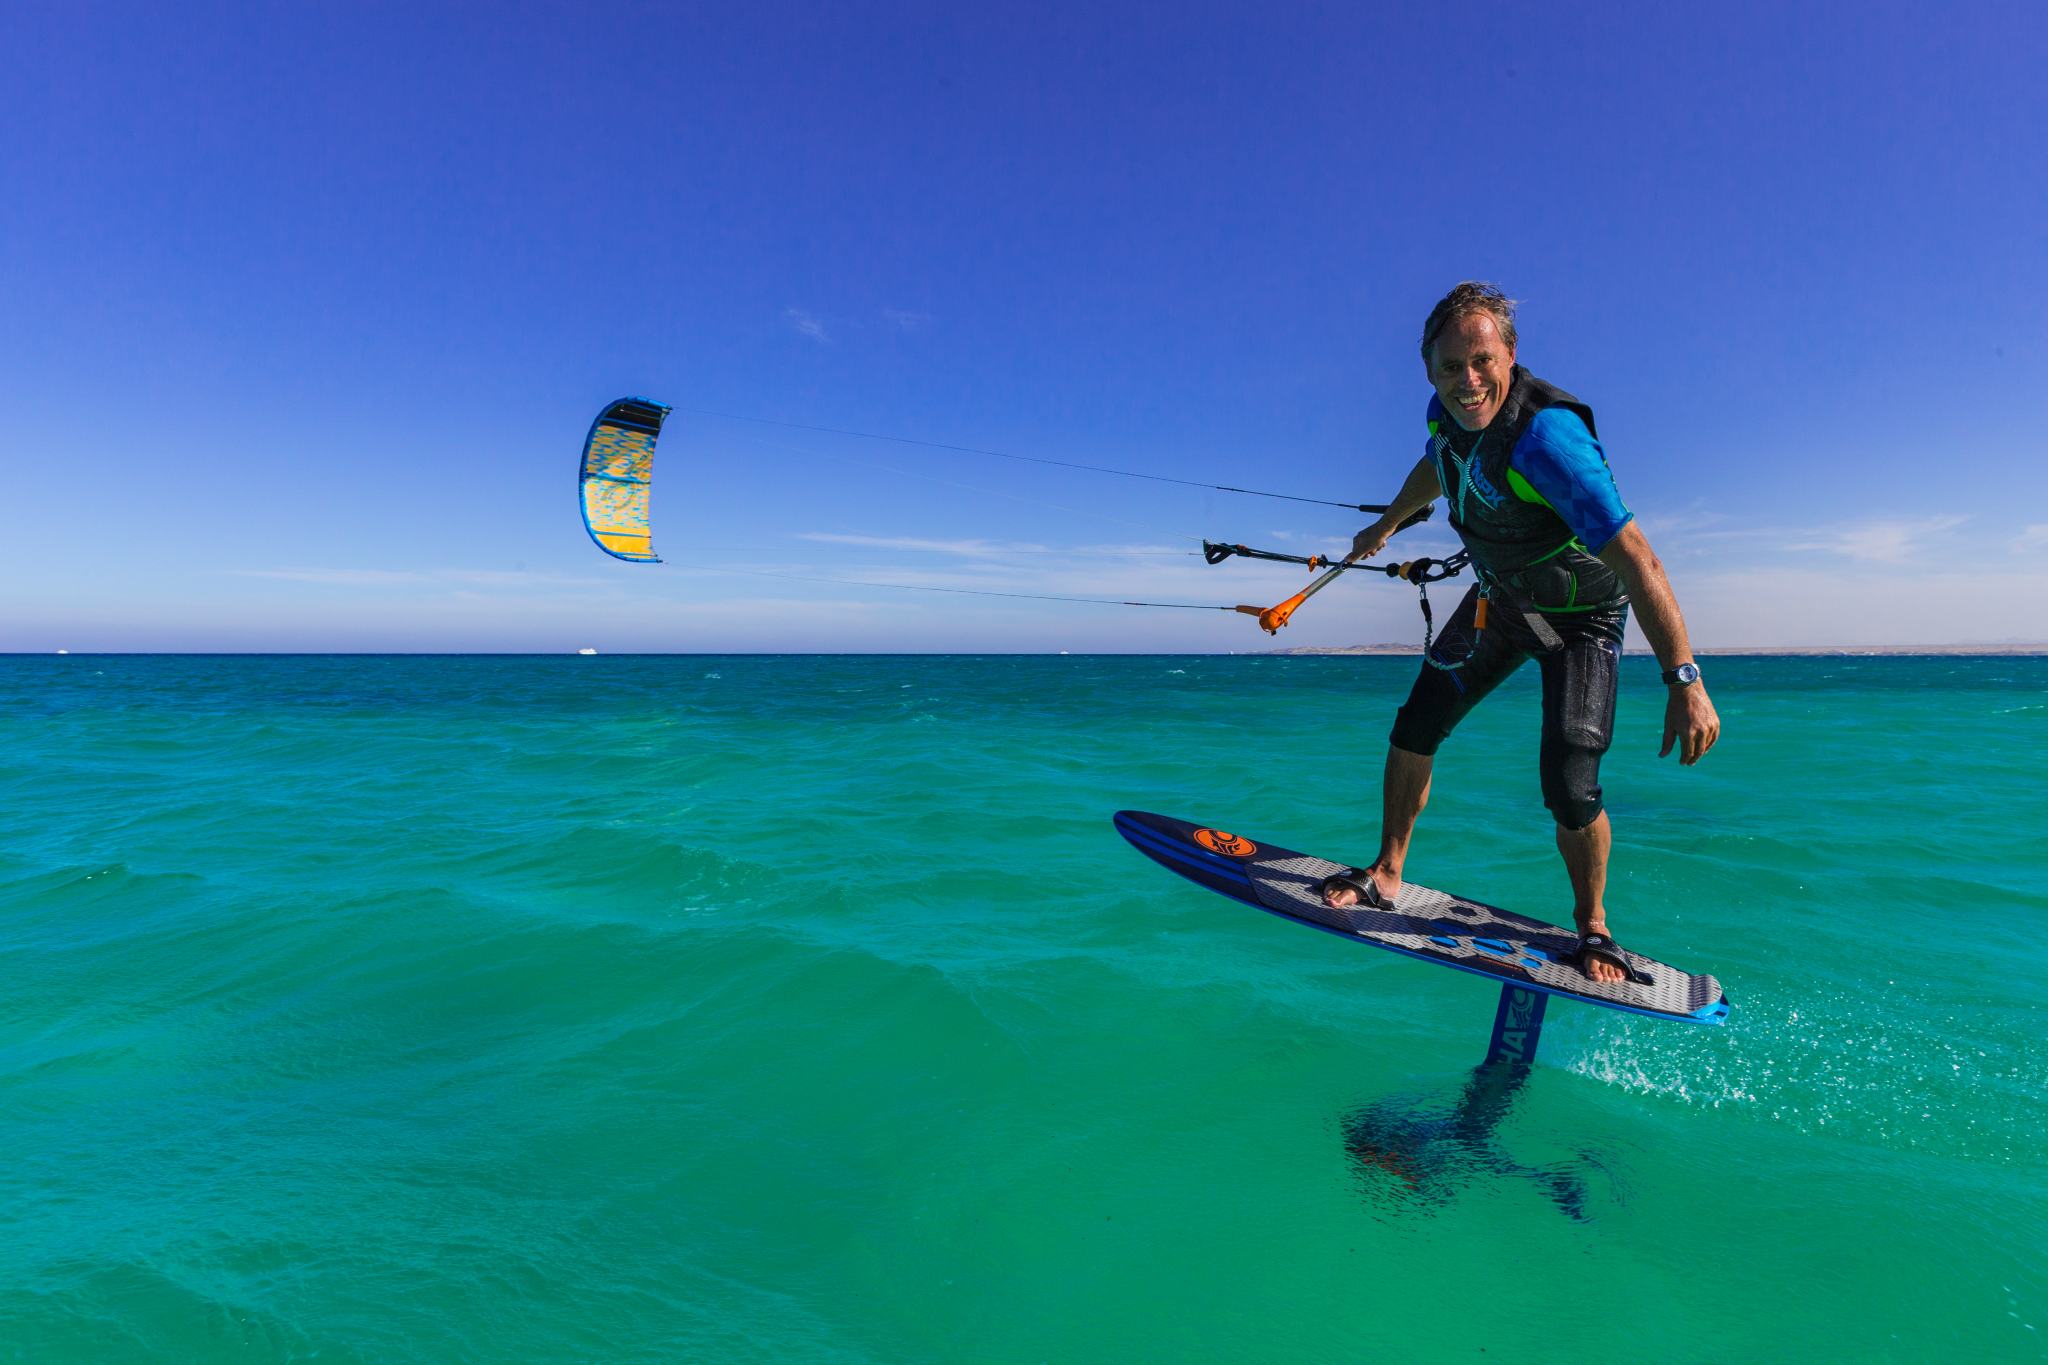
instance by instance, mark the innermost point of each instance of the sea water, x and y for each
(790, 1009)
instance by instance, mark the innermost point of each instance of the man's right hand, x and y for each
(1371, 540)
(1690, 721)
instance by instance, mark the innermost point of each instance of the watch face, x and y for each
(1686, 673)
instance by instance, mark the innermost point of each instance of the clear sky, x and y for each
(305, 310)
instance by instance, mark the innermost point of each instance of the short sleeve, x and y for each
(1562, 461)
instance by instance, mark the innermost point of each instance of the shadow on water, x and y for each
(1420, 1156)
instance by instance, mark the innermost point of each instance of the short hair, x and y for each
(1469, 297)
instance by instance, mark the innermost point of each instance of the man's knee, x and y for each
(1421, 726)
(1576, 812)
(1571, 790)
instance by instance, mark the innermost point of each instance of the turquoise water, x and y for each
(809, 1009)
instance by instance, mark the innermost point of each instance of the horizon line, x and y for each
(2027, 649)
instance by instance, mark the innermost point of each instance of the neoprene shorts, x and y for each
(1580, 655)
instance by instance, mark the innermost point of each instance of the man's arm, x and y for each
(1688, 716)
(1417, 492)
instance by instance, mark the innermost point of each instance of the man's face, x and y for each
(1471, 368)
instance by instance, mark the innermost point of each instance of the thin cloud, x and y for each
(806, 325)
(905, 321)
(1691, 523)
(980, 549)
(1187, 551)
(993, 549)
(415, 578)
(1866, 605)
(2034, 538)
(1882, 542)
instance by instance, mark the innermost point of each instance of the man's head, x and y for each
(1468, 349)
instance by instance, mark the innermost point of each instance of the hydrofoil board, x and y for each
(1522, 953)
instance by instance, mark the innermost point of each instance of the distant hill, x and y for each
(1796, 651)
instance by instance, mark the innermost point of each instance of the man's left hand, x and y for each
(1689, 718)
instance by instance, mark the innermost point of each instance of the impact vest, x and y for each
(1517, 542)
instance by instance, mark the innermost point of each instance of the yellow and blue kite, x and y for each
(617, 478)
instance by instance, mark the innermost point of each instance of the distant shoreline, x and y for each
(1328, 651)
(1749, 651)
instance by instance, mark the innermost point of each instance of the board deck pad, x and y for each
(1428, 924)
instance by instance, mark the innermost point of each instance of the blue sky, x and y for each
(307, 309)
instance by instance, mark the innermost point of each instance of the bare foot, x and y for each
(1599, 968)
(1386, 880)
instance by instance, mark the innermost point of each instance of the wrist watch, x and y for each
(1685, 675)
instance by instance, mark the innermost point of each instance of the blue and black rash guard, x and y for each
(1532, 498)
(1562, 462)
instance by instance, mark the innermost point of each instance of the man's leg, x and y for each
(1585, 861)
(1403, 793)
(1463, 666)
(1579, 684)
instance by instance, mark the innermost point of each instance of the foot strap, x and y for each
(1359, 880)
(1607, 950)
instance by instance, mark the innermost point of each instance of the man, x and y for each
(1558, 559)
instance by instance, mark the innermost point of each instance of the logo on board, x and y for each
(1229, 845)
(1515, 1025)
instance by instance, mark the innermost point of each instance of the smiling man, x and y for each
(1559, 559)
